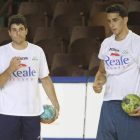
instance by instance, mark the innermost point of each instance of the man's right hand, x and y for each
(97, 86)
(14, 64)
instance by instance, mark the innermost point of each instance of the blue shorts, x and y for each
(19, 128)
(115, 124)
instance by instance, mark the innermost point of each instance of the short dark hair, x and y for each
(117, 8)
(17, 19)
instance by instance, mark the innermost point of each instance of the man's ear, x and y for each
(26, 31)
(125, 20)
(9, 33)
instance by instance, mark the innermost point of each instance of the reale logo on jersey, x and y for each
(116, 62)
(26, 73)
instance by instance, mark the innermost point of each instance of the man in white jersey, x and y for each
(21, 64)
(119, 69)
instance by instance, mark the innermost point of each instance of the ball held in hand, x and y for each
(48, 114)
(130, 102)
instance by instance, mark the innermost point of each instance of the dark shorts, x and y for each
(115, 124)
(19, 128)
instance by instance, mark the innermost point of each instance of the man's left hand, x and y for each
(56, 116)
(136, 112)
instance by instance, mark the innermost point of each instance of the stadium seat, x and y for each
(100, 6)
(135, 28)
(4, 36)
(82, 32)
(69, 15)
(94, 61)
(88, 2)
(92, 69)
(52, 40)
(61, 60)
(87, 73)
(51, 4)
(50, 47)
(84, 40)
(26, 8)
(100, 19)
(134, 18)
(64, 70)
(38, 7)
(88, 46)
(126, 2)
(34, 14)
(50, 33)
(134, 6)
(134, 13)
(33, 22)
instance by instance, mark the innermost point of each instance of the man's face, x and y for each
(116, 23)
(18, 33)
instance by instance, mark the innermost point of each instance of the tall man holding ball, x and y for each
(119, 69)
(21, 64)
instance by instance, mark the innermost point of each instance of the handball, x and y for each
(130, 102)
(48, 114)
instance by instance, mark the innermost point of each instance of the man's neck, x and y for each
(20, 46)
(122, 35)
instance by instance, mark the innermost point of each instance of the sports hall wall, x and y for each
(79, 109)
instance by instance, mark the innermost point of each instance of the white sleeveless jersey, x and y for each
(122, 63)
(20, 96)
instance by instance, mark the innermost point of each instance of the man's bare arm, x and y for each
(100, 78)
(14, 66)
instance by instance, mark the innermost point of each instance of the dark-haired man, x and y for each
(21, 64)
(119, 69)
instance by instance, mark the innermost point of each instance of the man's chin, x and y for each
(115, 33)
(18, 42)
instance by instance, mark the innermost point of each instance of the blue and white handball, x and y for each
(48, 114)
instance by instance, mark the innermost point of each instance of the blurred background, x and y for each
(69, 31)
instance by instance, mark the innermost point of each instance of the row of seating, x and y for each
(74, 65)
(67, 34)
(80, 56)
(52, 3)
(72, 14)
(56, 40)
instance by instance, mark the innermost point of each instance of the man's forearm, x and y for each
(49, 89)
(101, 77)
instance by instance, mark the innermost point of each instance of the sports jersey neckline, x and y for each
(122, 41)
(26, 49)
